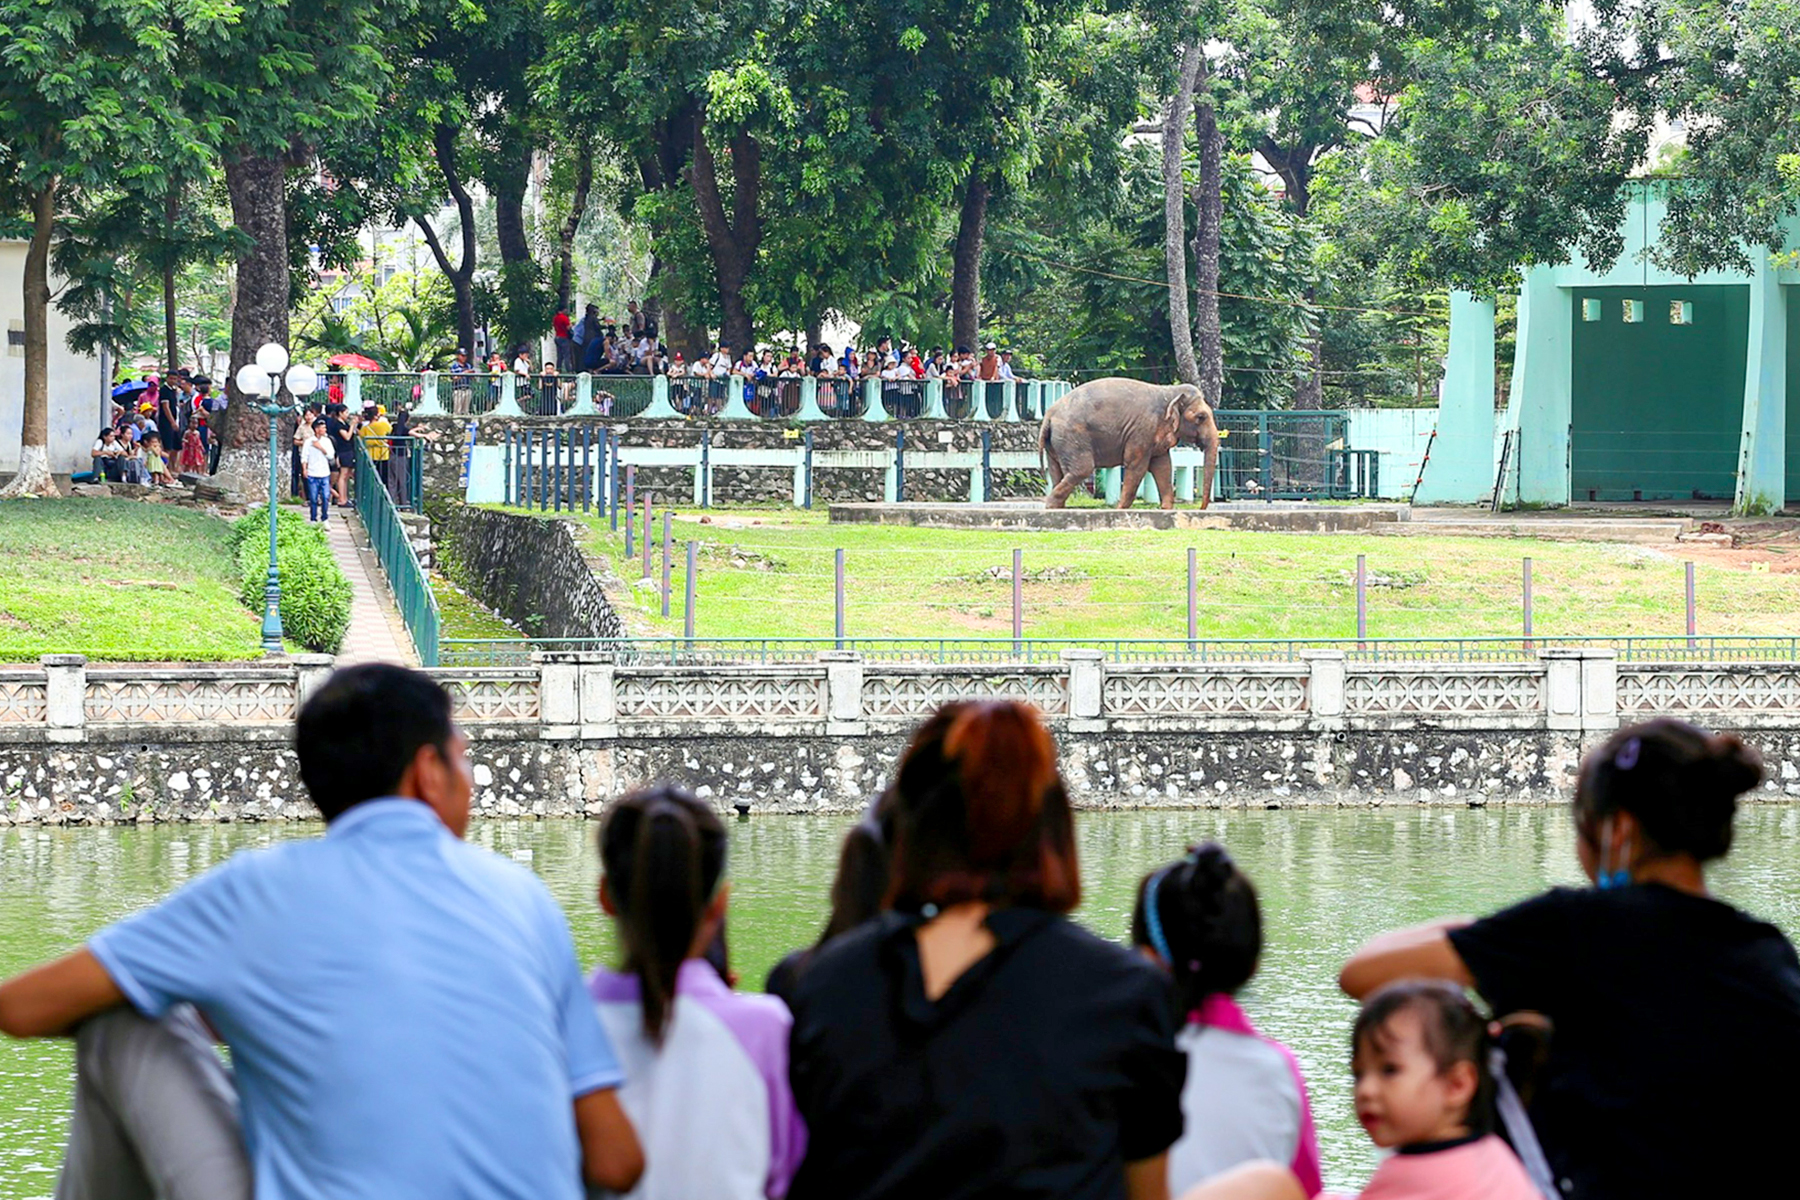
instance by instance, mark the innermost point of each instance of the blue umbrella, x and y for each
(130, 388)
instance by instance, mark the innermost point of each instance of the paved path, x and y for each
(376, 633)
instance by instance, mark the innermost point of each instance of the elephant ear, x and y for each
(1193, 404)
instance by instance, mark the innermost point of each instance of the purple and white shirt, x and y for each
(1244, 1100)
(711, 1105)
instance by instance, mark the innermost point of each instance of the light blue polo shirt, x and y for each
(404, 1010)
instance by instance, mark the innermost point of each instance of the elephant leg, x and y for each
(1211, 446)
(1068, 475)
(1133, 480)
(1162, 469)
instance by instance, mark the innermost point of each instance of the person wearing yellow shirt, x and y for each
(375, 431)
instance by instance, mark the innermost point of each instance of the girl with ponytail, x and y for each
(1245, 1099)
(972, 1041)
(1667, 1008)
(705, 1068)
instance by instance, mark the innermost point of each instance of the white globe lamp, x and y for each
(252, 380)
(272, 358)
(302, 380)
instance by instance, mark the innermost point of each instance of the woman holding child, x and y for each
(1674, 1018)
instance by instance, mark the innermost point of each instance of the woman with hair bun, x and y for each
(1674, 1018)
(973, 1041)
(1245, 1099)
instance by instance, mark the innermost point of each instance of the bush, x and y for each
(315, 595)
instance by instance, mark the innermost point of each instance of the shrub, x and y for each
(315, 595)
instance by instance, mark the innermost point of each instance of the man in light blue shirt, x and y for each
(405, 1011)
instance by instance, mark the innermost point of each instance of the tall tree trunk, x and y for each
(257, 185)
(171, 338)
(461, 274)
(965, 278)
(565, 242)
(34, 478)
(732, 239)
(1209, 205)
(1294, 164)
(672, 328)
(1174, 136)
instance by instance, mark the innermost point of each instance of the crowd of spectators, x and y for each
(160, 427)
(322, 462)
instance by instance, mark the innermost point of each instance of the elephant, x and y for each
(1126, 423)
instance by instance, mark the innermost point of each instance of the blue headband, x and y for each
(1153, 919)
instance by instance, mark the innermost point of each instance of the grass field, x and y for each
(769, 574)
(119, 581)
(461, 616)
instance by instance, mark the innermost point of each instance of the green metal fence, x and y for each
(406, 578)
(471, 652)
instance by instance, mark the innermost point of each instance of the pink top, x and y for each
(1484, 1169)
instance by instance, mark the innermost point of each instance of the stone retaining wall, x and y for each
(445, 438)
(529, 570)
(560, 736)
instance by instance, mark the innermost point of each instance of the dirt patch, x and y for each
(9, 621)
(1764, 548)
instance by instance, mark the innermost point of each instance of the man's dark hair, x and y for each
(358, 732)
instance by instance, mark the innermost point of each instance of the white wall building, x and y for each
(76, 385)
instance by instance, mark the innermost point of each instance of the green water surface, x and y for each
(1328, 880)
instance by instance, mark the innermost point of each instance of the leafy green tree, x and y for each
(85, 95)
(286, 75)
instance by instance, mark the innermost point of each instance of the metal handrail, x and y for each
(399, 562)
(1630, 649)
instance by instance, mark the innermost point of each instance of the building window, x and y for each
(1634, 312)
(1590, 309)
(1681, 312)
(15, 339)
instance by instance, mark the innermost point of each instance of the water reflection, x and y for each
(1328, 879)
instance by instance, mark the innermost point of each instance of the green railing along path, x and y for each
(406, 578)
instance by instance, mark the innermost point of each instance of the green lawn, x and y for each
(119, 581)
(768, 573)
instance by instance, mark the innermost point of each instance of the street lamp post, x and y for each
(264, 379)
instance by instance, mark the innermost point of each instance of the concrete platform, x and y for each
(1283, 517)
(1561, 526)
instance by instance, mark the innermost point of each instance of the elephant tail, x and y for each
(1047, 450)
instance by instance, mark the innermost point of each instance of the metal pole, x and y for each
(506, 470)
(1193, 596)
(1692, 623)
(706, 468)
(1527, 603)
(687, 611)
(668, 553)
(612, 477)
(899, 464)
(543, 483)
(558, 438)
(808, 481)
(1018, 581)
(987, 466)
(646, 573)
(630, 533)
(838, 597)
(630, 502)
(1362, 599)
(271, 625)
(587, 473)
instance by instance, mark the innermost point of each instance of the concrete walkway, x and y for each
(376, 634)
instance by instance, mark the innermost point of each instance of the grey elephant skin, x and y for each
(1131, 424)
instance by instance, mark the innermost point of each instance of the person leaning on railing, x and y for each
(375, 431)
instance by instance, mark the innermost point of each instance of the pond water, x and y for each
(1328, 880)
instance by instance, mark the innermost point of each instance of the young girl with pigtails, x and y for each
(1244, 1099)
(706, 1068)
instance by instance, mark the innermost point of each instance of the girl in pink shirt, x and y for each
(1423, 1091)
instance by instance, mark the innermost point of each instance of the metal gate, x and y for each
(1293, 456)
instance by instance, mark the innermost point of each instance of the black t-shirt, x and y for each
(1674, 1064)
(1045, 1068)
(338, 430)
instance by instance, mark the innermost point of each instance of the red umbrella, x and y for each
(353, 362)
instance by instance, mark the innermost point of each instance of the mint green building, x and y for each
(1628, 384)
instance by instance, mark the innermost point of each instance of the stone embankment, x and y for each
(87, 745)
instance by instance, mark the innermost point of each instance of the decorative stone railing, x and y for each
(586, 696)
